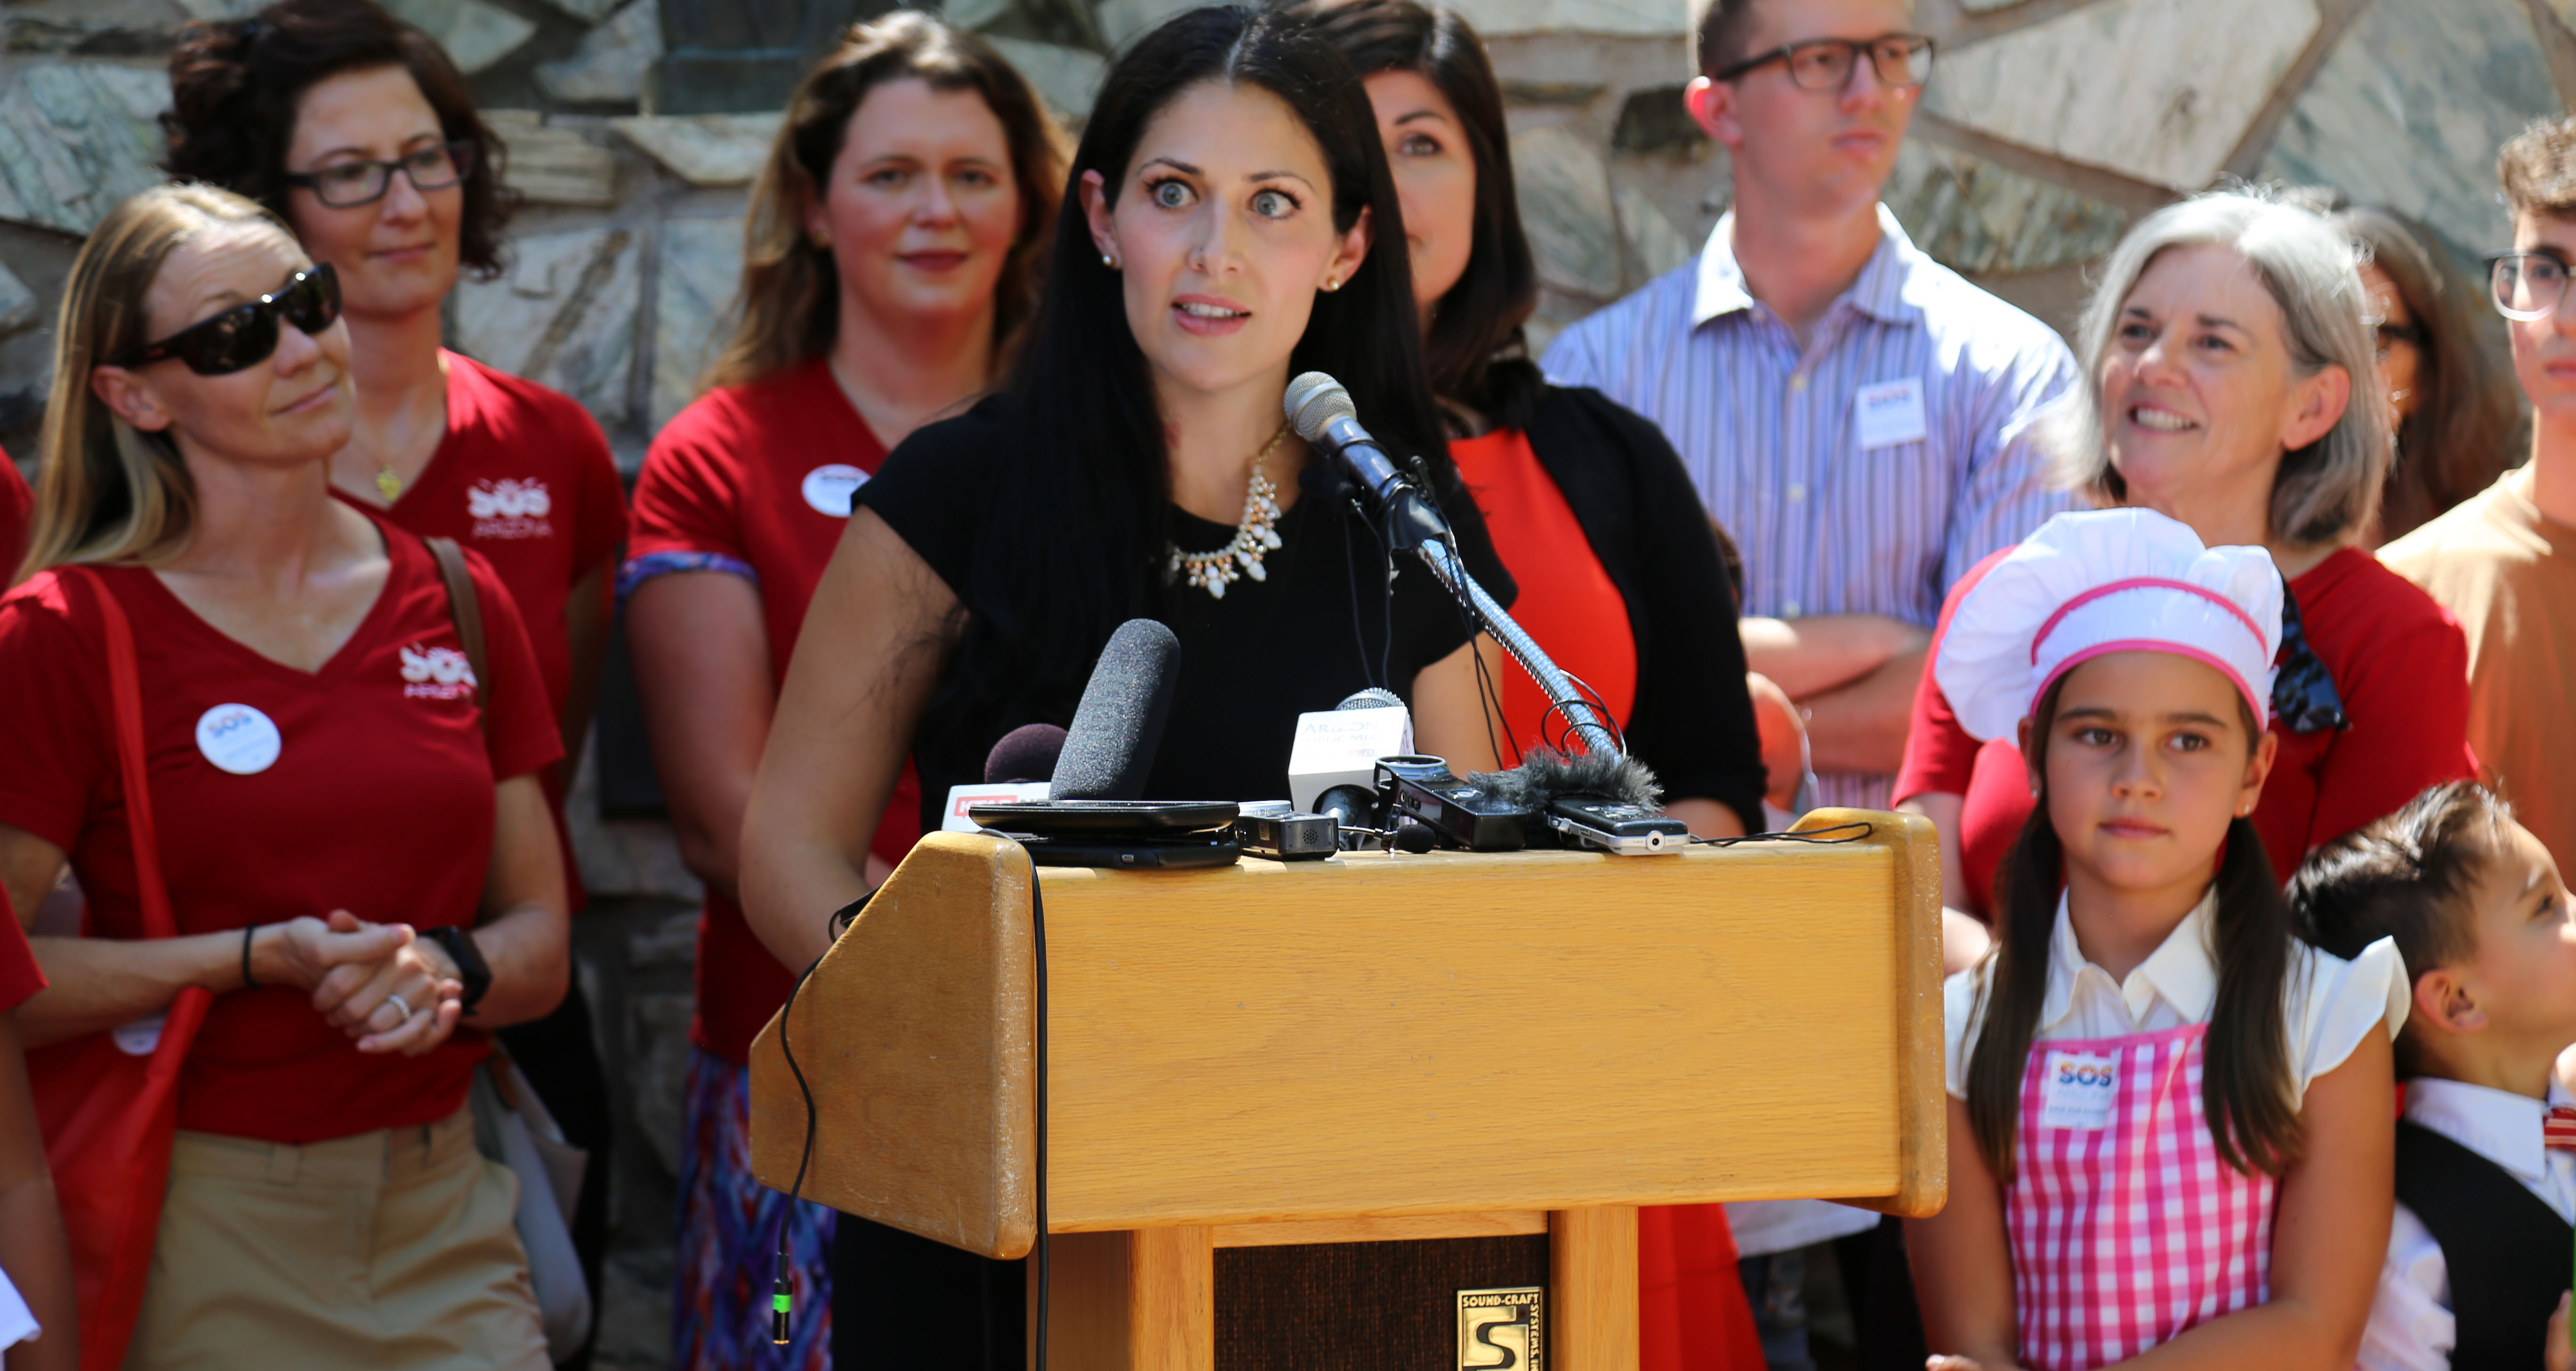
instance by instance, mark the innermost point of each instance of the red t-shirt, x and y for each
(19, 978)
(17, 507)
(756, 480)
(1568, 603)
(2398, 660)
(524, 477)
(374, 795)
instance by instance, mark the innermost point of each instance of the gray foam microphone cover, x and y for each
(1109, 748)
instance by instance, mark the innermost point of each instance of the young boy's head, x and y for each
(2479, 914)
(2537, 170)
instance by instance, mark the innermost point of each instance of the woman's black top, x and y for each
(1692, 720)
(1324, 624)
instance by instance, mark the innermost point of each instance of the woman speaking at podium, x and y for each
(1225, 226)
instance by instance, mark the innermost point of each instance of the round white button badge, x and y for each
(141, 1037)
(239, 739)
(829, 488)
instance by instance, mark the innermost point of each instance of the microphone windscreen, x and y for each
(1024, 754)
(1546, 774)
(1110, 747)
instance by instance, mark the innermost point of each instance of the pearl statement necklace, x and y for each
(1255, 535)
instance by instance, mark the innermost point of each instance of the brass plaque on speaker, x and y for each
(1503, 1329)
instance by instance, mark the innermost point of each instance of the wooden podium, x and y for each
(1374, 1046)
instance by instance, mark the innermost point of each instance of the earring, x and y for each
(1108, 261)
(1332, 283)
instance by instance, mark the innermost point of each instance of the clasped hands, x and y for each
(384, 985)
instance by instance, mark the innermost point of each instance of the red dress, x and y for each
(756, 480)
(1692, 1313)
(2398, 660)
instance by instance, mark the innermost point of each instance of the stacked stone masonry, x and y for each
(635, 127)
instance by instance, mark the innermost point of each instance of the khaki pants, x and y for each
(391, 1249)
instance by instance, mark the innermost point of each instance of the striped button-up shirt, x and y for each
(1838, 510)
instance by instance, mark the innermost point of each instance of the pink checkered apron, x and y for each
(2126, 1227)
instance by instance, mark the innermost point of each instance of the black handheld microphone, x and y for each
(1119, 725)
(1320, 409)
(1027, 753)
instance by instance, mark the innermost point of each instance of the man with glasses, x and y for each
(1854, 413)
(2504, 560)
(1858, 418)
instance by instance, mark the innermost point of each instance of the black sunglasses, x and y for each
(245, 335)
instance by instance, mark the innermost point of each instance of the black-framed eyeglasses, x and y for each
(2390, 335)
(347, 185)
(2527, 285)
(1902, 60)
(246, 335)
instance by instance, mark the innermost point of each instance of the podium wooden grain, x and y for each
(1377, 1046)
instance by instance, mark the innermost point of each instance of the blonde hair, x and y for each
(789, 306)
(107, 491)
(2324, 493)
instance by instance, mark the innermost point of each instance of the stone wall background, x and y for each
(634, 126)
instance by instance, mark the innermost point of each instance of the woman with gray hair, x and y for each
(2222, 353)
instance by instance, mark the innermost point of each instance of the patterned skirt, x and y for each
(728, 1242)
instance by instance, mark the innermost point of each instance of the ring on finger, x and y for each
(401, 1005)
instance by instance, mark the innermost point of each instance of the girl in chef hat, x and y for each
(2170, 1121)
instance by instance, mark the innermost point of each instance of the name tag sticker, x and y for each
(2079, 1089)
(239, 739)
(829, 488)
(1889, 413)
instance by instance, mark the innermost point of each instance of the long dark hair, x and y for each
(2245, 1074)
(235, 84)
(1474, 345)
(1079, 510)
(2467, 411)
(790, 306)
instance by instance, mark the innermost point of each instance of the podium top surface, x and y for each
(1373, 1035)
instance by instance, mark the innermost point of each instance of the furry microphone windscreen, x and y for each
(1546, 774)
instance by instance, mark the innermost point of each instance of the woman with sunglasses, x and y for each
(358, 131)
(357, 851)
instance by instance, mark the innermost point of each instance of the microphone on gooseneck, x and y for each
(1027, 753)
(1116, 730)
(1321, 411)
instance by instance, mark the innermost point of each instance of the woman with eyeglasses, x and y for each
(358, 855)
(2449, 392)
(358, 131)
(2228, 367)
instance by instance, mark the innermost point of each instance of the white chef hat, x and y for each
(2114, 580)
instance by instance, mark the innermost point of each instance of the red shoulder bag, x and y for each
(109, 1115)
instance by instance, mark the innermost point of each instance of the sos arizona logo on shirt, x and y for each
(436, 673)
(508, 508)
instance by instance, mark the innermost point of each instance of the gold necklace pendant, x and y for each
(388, 484)
(1257, 533)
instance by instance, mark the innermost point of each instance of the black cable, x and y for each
(1359, 635)
(782, 1290)
(1489, 702)
(1038, 1036)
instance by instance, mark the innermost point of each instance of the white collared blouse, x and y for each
(2331, 1002)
